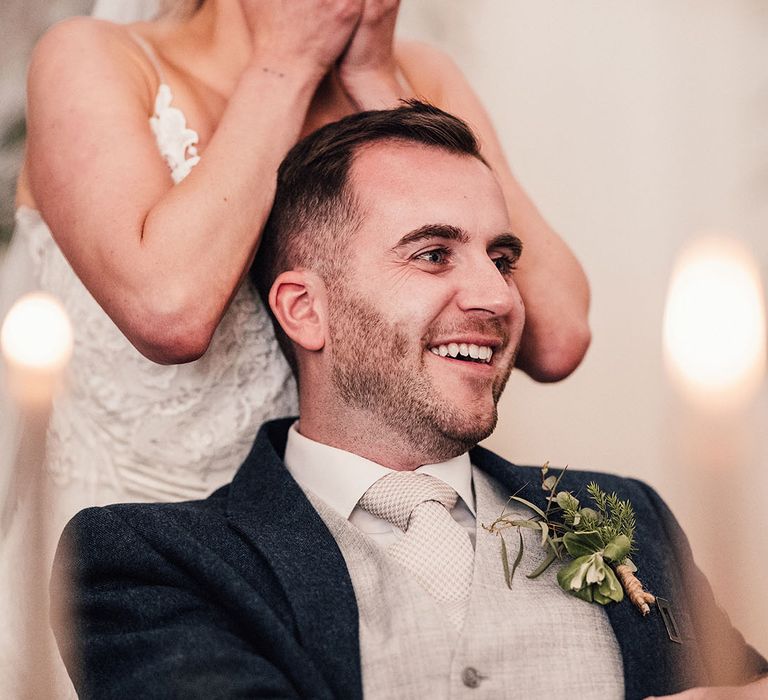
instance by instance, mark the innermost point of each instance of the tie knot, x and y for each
(396, 495)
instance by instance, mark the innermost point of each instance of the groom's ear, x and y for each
(298, 300)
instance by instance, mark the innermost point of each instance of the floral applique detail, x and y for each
(175, 141)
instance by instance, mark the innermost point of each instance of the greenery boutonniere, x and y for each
(598, 539)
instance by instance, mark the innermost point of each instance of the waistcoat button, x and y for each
(470, 677)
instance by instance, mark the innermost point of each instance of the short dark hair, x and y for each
(315, 213)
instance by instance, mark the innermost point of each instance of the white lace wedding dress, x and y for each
(128, 429)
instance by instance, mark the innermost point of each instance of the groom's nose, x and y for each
(482, 287)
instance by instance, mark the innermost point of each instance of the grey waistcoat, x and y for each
(533, 641)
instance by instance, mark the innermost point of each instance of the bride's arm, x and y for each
(164, 261)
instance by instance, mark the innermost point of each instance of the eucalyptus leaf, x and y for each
(580, 543)
(519, 556)
(560, 478)
(530, 505)
(567, 501)
(530, 524)
(544, 532)
(617, 549)
(553, 543)
(541, 568)
(549, 483)
(505, 562)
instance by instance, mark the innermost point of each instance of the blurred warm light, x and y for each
(36, 333)
(36, 341)
(714, 323)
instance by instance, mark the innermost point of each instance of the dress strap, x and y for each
(145, 46)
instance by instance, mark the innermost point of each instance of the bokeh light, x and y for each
(714, 325)
(37, 334)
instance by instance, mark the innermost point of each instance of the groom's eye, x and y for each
(434, 256)
(505, 264)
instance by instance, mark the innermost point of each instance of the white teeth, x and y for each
(470, 350)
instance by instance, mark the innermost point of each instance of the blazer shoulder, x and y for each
(100, 531)
(528, 478)
(142, 512)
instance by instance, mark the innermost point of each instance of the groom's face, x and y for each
(425, 317)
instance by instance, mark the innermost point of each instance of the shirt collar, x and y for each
(340, 478)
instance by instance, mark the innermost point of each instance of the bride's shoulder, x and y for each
(83, 57)
(85, 32)
(90, 48)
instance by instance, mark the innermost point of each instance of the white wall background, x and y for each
(634, 126)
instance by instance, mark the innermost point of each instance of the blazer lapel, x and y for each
(267, 506)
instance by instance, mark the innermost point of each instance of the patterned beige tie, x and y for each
(435, 548)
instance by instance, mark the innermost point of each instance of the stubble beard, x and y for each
(371, 372)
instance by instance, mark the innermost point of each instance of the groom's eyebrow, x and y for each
(444, 231)
(509, 241)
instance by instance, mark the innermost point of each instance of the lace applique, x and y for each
(175, 141)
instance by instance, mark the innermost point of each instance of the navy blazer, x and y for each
(246, 594)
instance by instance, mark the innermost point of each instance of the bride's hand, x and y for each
(310, 33)
(368, 70)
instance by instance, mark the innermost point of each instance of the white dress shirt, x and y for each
(340, 478)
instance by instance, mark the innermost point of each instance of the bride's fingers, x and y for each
(303, 31)
(371, 46)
